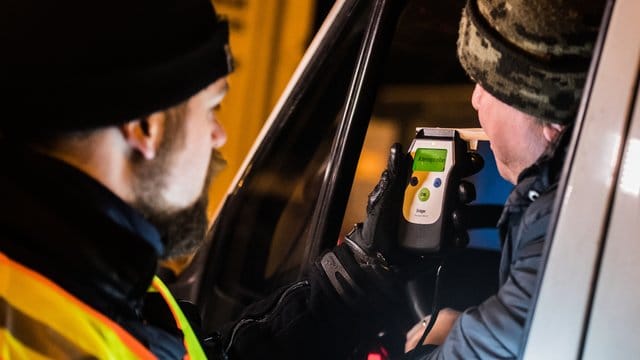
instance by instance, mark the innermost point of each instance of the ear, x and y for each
(144, 135)
(551, 131)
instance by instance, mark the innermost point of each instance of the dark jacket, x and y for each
(494, 329)
(68, 227)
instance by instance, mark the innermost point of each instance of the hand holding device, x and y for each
(374, 239)
(359, 270)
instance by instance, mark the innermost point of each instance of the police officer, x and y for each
(109, 141)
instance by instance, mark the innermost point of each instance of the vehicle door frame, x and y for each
(563, 306)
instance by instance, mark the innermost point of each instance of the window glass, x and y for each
(257, 241)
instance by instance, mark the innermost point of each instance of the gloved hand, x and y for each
(358, 270)
(373, 241)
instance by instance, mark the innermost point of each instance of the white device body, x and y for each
(425, 222)
(425, 195)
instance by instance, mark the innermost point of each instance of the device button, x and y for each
(413, 181)
(437, 182)
(424, 194)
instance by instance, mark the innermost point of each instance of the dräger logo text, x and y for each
(421, 213)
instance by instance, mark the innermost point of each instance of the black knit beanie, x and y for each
(71, 65)
(531, 54)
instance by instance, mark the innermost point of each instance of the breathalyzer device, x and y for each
(432, 192)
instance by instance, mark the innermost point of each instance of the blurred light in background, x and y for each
(267, 39)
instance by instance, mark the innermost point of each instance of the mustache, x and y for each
(216, 165)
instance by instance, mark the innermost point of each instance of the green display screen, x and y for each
(430, 160)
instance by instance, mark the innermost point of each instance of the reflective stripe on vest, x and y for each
(40, 320)
(194, 349)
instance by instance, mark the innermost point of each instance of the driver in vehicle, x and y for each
(109, 140)
(529, 60)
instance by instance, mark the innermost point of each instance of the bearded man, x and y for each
(109, 140)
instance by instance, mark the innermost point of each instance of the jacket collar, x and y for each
(537, 179)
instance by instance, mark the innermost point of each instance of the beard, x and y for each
(183, 231)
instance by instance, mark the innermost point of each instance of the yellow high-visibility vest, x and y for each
(191, 342)
(40, 320)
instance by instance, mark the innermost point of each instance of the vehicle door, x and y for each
(587, 304)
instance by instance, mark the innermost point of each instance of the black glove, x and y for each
(358, 270)
(374, 241)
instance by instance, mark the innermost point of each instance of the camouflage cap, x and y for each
(532, 55)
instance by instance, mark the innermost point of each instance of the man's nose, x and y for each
(218, 135)
(475, 97)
